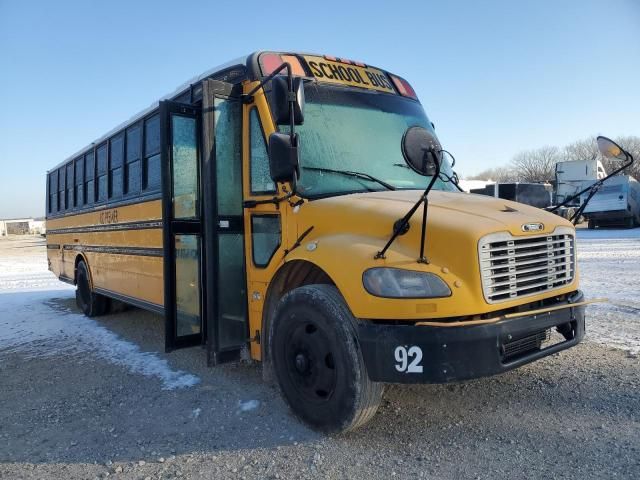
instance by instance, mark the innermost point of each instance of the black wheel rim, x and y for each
(310, 361)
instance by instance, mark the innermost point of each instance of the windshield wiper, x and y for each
(351, 173)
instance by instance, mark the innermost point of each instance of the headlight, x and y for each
(398, 283)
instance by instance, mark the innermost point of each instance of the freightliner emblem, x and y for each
(532, 227)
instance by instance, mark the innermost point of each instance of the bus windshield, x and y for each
(350, 142)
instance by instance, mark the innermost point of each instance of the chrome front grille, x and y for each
(513, 267)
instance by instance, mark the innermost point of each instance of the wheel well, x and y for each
(291, 275)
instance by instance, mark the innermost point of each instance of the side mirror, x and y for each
(283, 157)
(610, 149)
(418, 149)
(280, 93)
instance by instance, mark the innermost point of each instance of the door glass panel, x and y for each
(232, 294)
(185, 167)
(228, 156)
(187, 248)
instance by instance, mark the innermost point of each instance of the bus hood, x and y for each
(458, 213)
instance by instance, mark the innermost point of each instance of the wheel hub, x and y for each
(302, 363)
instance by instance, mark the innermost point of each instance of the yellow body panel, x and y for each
(135, 229)
(349, 230)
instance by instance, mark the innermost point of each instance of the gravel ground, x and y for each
(80, 415)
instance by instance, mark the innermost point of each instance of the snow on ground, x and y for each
(609, 266)
(35, 322)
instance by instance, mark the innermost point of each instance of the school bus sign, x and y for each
(329, 71)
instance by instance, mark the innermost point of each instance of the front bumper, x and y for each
(449, 354)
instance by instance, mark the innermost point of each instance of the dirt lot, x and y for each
(91, 399)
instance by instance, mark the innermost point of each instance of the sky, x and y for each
(496, 77)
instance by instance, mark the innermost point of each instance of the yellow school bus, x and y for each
(299, 210)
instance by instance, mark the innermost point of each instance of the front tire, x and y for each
(92, 304)
(318, 362)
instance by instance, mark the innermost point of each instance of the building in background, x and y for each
(22, 226)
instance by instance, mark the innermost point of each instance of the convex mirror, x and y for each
(421, 150)
(610, 149)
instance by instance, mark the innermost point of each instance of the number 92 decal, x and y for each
(408, 359)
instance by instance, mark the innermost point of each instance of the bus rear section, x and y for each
(299, 210)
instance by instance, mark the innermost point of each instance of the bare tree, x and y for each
(587, 149)
(497, 174)
(631, 144)
(536, 165)
(539, 165)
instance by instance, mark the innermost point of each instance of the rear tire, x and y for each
(318, 362)
(591, 225)
(92, 304)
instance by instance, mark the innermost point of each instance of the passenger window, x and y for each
(101, 154)
(134, 150)
(79, 190)
(265, 238)
(53, 191)
(70, 184)
(259, 161)
(151, 166)
(61, 202)
(116, 152)
(89, 171)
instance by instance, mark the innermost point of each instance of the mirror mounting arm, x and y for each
(401, 226)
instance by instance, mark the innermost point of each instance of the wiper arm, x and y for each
(351, 173)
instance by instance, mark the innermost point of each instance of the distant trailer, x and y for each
(616, 203)
(534, 194)
(575, 175)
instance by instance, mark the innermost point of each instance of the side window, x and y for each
(133, 159)
(61, 202)
(265, 238)
(259, 160)
(151, 164)
(70, 184)
(53, 191)
(89, 185)
(79, 189)
(101, 156)
(116, 163)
